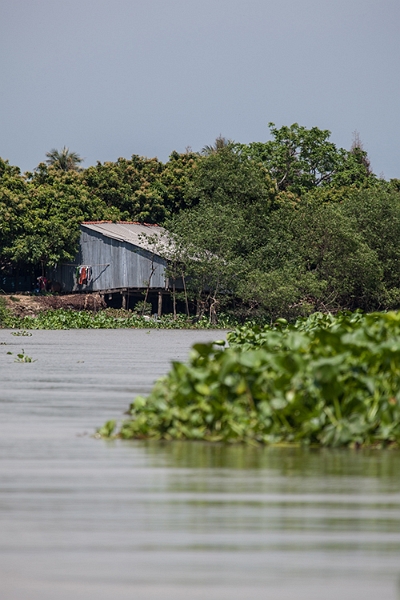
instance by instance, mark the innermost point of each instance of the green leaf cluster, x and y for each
(324, 381)
(301, 159)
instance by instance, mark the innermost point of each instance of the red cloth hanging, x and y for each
(82, 275)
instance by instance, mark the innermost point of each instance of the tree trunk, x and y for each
(174, 299)
(159, 311)
(186, 298)
(213, 311)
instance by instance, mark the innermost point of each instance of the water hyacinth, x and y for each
(103, 319)
(329, 381)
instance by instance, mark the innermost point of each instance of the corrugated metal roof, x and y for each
(129, 232)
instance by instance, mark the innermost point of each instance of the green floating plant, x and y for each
(23, 358)
(326, 380)
(107, 430)
(21, 333)
(107, 319)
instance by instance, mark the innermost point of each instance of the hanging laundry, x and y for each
(82, 275)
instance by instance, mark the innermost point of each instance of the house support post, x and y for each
(124, 300)
(159, 311)
(174, 299)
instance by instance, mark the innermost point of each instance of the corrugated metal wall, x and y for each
(115, 265)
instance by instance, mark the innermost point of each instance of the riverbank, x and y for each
(88, 311)
(30, 305)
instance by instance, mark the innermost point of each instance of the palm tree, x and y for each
(361, 156)
(219, 144)
(64, 160)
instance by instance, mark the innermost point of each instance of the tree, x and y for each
(301, 159)
(228, 198)
(357, 149)
(219, 144)
(227, 177)
(133, 187)
(329, 246)
(205, 252)
(177, 174)
(57, 202)
(375, 213)
(64, 159)
(312, 258)
(14, 209)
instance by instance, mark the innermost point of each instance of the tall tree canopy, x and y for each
(300, 159)
(57, 203)
(133, 187)
(276, 228)
(14, 209)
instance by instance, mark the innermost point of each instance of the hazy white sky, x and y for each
(111, 78)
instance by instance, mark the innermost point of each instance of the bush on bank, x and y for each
(329, 381)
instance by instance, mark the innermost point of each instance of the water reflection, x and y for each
(281, 489)
(288, 461)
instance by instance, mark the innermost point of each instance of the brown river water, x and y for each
(86, 519)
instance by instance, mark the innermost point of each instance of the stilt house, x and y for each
(117, 259)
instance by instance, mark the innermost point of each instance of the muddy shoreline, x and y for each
(22, 305)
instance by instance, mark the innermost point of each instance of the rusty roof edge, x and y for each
(120, 223)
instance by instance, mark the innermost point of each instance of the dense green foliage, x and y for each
(7, 320)
(269, 254)
(283, 228)
(301, 159)
(103, 319)
(325, 381)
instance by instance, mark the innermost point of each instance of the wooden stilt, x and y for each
(159, 311)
